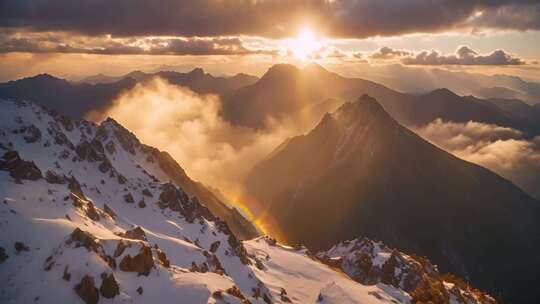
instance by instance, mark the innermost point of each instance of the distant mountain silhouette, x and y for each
(360, 173)
(285, 90)
(526, 113)
(70, 99)
(78, 99)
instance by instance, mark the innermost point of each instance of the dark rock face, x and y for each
(109, 287)
(18, 168)
(162, 257)
(87, 291)
(147, 192)
(121, 179)
(20, 247)
(53, 178)
(120, 247)
(92, 212)
(80, 238)
(240, 225)
(127, 140)
(105, 166)
(32, 134)
(75, 187)
(238, 249)
(235, 292)
(66, 276)
(128, 198)
(3, 254)
(87, 151)
(109, 211)
(142, 263)
(177, 200)
(136, 233)
(214, 246)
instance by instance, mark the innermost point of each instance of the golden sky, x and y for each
(73, 39)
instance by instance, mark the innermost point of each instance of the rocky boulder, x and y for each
(53, 178)
(109, 287)
(142, 263)
(87, 291)
(18, 168)
(136, 233)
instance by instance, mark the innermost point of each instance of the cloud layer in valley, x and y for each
(503, 150)
(189, 127)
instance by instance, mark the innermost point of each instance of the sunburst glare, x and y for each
(305, 45)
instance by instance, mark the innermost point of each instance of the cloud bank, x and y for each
(503, 150)
(106, 45)
(189, 127)
(464, 56)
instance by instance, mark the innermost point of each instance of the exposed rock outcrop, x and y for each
(87, 291)
(141, 263)
(18, 168)
(136, 233)
(109, 287)
(370, 263)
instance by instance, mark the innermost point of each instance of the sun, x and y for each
(305, 44)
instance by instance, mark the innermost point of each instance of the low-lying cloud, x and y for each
(503, 150)
(189, 127)
(464, 55)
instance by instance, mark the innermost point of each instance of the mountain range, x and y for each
(286, 90)
(360, 172)
(91, 215)
(283, 91)
(76, 100)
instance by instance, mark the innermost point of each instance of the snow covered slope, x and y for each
(88, 215)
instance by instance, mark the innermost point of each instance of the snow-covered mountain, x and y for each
(89, 214)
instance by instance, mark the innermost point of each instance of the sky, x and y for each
(74, 39)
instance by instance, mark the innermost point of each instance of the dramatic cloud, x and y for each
(516, 16)
(388, 53)
(503, 150)
(63, 43)
(463, 56)
(269, 18)
(189, 127)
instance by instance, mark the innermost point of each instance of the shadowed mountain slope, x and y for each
(359, 172)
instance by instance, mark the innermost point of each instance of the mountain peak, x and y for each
(44, 78)
(280, 70)
(365, 107)
(315, 67)
(197, 72)
(442, 92)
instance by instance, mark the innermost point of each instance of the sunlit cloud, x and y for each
(503, 150)
(54, 42)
